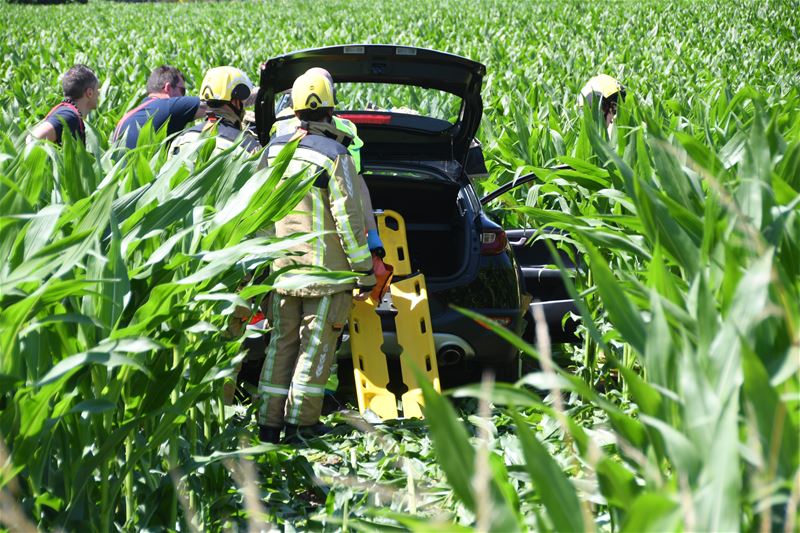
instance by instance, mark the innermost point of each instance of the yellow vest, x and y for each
(287, 123)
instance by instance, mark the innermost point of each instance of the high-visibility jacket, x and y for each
(333, 205)
(347, 126)
(287, 124)
(227, 134)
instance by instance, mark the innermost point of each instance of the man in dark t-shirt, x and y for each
(80, 97)
(166, 103)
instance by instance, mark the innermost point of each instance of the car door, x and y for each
(543, 281)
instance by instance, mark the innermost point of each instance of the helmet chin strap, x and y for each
(239, 110)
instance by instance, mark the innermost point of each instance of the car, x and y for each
(418, 111)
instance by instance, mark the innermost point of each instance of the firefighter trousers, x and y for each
(301, 349)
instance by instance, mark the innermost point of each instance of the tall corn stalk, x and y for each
(115, 303)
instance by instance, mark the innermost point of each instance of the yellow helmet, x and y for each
(225, 84)
(601, 86)
(312, 90)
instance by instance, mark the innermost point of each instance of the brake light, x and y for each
(363, 118)
(493, 241)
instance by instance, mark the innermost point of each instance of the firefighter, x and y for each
(81, 96)
(225, 91)
(605, 92)
(354, 147)
(166, 103)
(308, 321)
(288, 123)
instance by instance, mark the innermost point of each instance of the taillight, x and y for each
(493, 241)
(371, 119)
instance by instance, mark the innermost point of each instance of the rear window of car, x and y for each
(400, 99)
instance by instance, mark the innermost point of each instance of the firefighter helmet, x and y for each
(323, 72)
(224, 84)
(602, 87)
(312, 90)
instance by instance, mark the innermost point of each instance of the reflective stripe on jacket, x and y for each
(287, 124)
(333, 205)
(226, 136)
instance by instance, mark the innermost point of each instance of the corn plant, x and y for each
(116, 302)
(119, 279)
(690, 300)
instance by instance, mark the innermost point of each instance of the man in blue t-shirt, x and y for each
(166, 103)
(80, 96)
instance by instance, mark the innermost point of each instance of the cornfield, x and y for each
(678, 410)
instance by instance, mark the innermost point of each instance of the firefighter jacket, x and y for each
(228, 132)
(288, 123)
(332, 205)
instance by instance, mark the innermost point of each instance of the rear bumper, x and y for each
(392, 348)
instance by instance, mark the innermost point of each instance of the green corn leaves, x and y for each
(678, 409)
(102, 288)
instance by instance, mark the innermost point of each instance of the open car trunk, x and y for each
(436, 227)
(387, 135)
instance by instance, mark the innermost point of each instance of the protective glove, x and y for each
(375, 244)
(238, 320)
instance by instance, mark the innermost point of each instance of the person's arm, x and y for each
(366, 204)
(186, 109)
(373, 238)
(348, 215)
(45, 131)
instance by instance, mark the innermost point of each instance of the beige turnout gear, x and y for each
(288, 125)
(333, 205)
(307, 321)
(226, 125)
(301, 350)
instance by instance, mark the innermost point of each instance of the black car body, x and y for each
(422, 167)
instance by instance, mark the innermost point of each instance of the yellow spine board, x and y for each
(392, 229)
(414, 334)
(369, 362)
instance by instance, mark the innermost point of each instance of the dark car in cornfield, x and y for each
(418, 112)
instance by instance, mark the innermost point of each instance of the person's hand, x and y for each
(238, 320)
